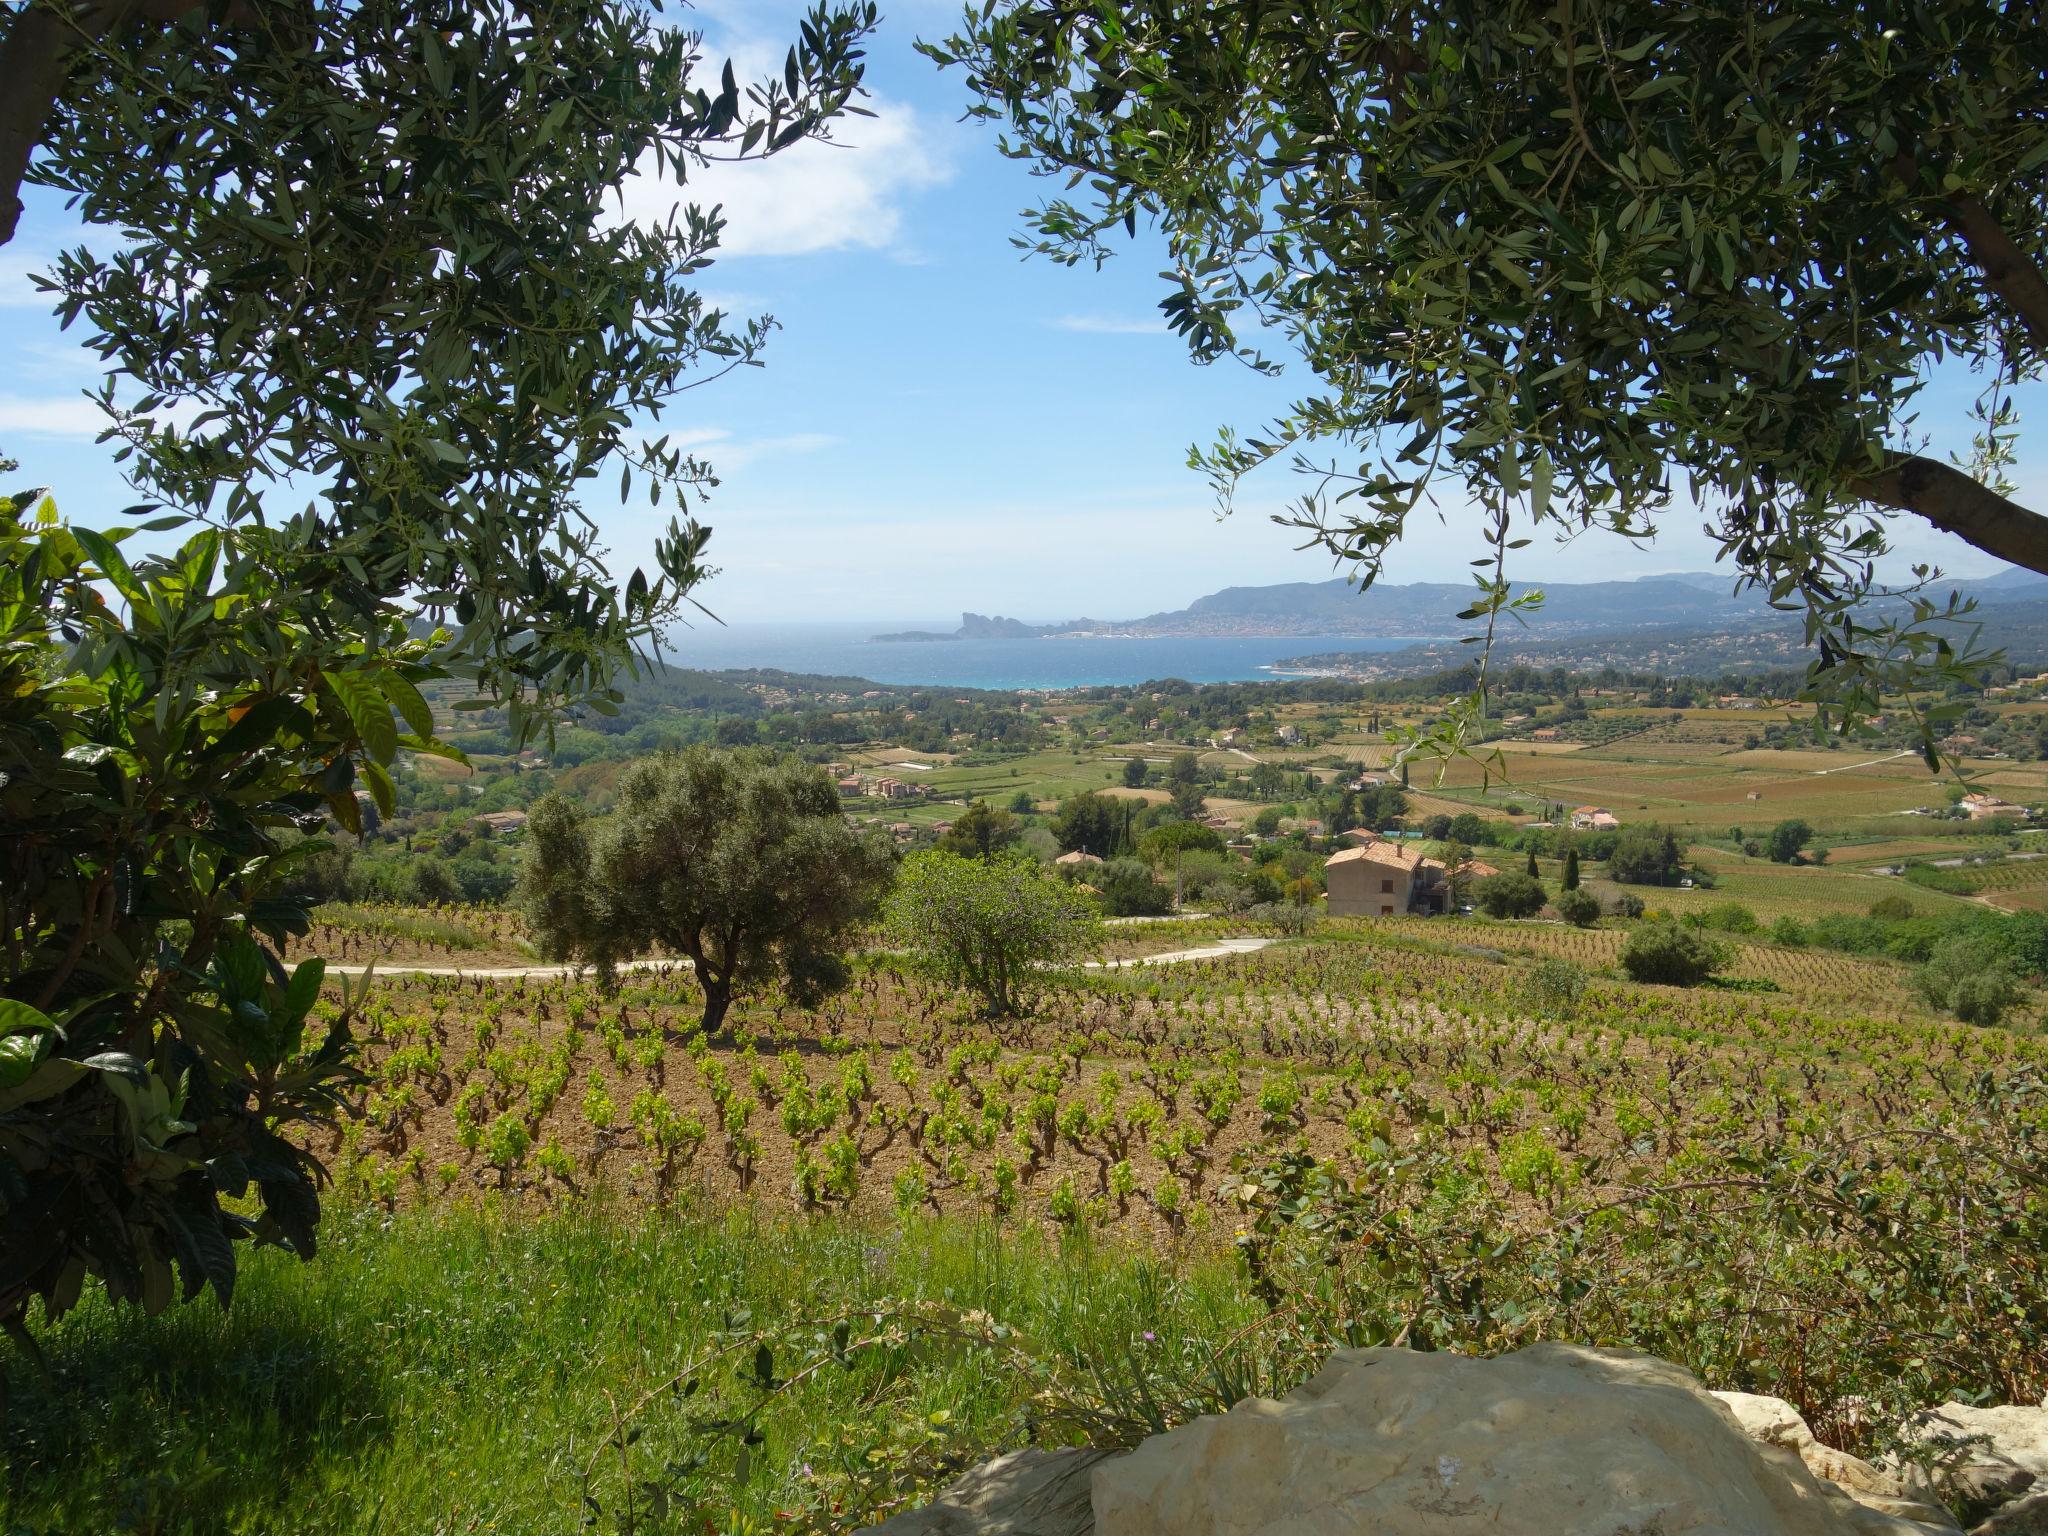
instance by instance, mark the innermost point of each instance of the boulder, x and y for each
(1556, 1440)
(1026, 1493)
(1888, 1491)
(2026, 1516)
(2015, 1435)
(1985, 1460)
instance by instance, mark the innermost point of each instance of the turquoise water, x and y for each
(846, 650)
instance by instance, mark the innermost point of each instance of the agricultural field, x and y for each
(1128, 1095)
(1699, 785)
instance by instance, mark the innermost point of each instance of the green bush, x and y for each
(1788, 930)
(1128, 889)
(1966, 975)
(1730, 917)
(1672, 955)
(1581, 908)
(1510, 895)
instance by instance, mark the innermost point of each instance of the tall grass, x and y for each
(457, 1370)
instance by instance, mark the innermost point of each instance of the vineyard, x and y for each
(1496, 1075)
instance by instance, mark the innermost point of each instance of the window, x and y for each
(1385, 910)
(1386, 885)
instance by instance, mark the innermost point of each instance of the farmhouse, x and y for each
(1978, 806)
(1593, 818)
(1382, 879)
(503, 821)
(1077, 857)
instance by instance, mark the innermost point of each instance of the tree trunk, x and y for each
(717, 999)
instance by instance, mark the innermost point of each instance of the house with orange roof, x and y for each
(1384, 879)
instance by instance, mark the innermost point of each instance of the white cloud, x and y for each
(727, 453)
(1111, 325)
(17, 285)
(846, 194)
(74, 416)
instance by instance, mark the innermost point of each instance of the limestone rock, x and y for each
(1984, 1459)
(1768, 1420)
(1885, 1490)
(2027, 1516)
(2017, 1435)
(1556, 1440)
(1026, 1493)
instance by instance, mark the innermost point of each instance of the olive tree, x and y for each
(369, 331)
(740, 862)
(988, 924)
(1579, 264)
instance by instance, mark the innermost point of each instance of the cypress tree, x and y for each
(1571, 869)
(1534, 872)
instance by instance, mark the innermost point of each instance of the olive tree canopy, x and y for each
(1578, 258)
(740, 862)
(370, 325)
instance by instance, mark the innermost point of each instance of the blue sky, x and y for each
(939, 425)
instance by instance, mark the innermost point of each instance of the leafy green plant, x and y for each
(451, 345)
(1672, 954)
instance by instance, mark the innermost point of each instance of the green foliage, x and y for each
(1092, 823)
(1162, 843)
(1570, 881)
(1967, 976)
(740, 862)
(401, 281)
(1291, 919)
(1646, 854)
(988, 926)
(1787, 839)
(1729, 917)
(1578, 907)
(981, 831)
(1544, 253)
(1672, 954)
(1510, 895)
(1129, 889)
(1556, 985)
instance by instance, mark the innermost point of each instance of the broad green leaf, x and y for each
(368, 710)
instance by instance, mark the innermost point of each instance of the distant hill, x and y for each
(1688, 601)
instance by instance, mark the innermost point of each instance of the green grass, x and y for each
(450, 1372)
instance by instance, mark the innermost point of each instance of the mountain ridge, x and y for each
(1430, 610)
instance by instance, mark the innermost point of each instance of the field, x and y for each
(557, 1201)
(1702, 784)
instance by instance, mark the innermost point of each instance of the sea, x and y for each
(1053, 661)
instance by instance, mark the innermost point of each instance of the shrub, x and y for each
(1128, 889)
(1556, 985)
(1581, 908)
(1672, 955)
(1893, 909)
(1966, 975)
(1790, 931)
(1510, 895)
(1626, 904)
(1730, 917)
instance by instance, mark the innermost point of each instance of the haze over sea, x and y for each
(847, 650)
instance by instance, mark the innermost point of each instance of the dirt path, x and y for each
(1214, 951)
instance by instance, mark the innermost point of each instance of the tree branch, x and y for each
(1953, 502)
(35, 63)
(2008, 271)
